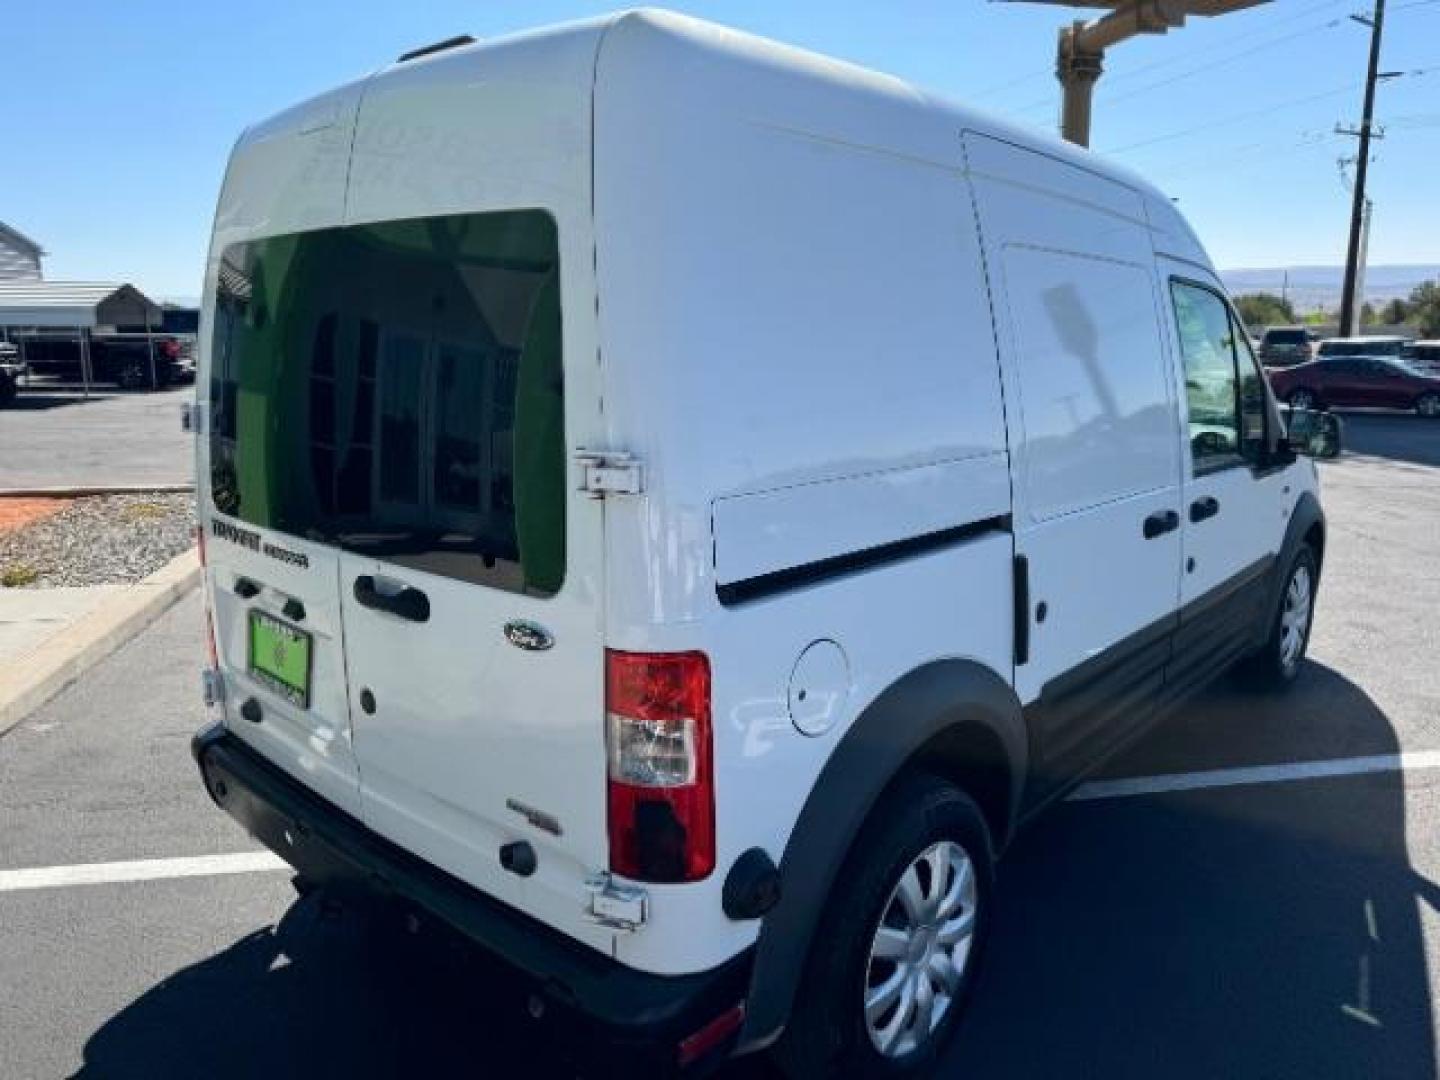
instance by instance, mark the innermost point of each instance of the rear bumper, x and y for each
(605, 1012)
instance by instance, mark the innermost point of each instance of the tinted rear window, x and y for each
(396, 389)
(1285, 337)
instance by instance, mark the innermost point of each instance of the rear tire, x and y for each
(1428, 405)
(900, 943)
(1302, 399)
(1277, 663)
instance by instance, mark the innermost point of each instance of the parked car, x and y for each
(1281, 346)
(698, 650)
(1423, 354)
(1359, 381)
(1375, 345)
(120, 359)
(11, 368)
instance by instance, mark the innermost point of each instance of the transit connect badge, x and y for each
(524, 634)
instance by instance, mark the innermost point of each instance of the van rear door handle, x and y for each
(1160, 523)
(409, 603)
(1204, 508)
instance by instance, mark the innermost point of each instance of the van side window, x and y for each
(1212, 390)
(396, 389)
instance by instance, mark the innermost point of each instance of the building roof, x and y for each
(20, 238)
(75, 304)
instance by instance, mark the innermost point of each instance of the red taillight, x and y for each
(661, 789)
(171, 349)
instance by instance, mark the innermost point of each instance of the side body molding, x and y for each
(931, 700)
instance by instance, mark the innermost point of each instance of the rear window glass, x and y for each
(1285, 337)
(396, 389)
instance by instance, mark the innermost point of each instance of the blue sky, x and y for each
(117, 117)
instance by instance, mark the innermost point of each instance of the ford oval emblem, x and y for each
(528, 635)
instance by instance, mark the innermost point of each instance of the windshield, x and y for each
(397, 389)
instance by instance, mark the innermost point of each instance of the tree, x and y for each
(1425, 307)
(1259, 310)
(1395, 312)
(1367, 314)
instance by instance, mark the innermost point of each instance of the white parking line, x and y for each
(1256, 774)
(52, 877)
(249, 862)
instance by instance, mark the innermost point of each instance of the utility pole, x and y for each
(1357, 298)
(1349, 309)
(1080, 58)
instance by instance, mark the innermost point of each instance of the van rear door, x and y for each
(271, 580)
(470, 566)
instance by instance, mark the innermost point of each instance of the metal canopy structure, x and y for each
(1081, 57)
(74, 305)
(79, 307)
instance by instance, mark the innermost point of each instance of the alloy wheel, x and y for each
(920, 949)
(1295, 617)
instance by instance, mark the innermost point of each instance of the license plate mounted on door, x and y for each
(279, 658)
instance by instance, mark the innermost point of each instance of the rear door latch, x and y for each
(610, 472)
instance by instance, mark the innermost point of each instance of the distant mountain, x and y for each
(1312, 287)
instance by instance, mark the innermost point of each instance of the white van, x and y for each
(674, 504)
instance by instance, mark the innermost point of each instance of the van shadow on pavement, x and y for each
(1262, 931)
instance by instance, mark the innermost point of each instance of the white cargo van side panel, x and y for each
(795, 331)
(1092, 412)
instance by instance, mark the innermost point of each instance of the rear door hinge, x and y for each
(192, 418)
(616, 906)
(610, 472)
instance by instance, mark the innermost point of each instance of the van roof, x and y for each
(827, 97)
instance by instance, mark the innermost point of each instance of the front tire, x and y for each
(1428, 405)
(895, 956)
(1277, 663)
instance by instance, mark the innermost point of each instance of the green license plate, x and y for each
(280, 658)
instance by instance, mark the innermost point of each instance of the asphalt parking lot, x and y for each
(1228, 915)
(53, 436)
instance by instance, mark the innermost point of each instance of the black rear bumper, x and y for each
(610, 1013)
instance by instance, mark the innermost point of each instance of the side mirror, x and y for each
(1313, 433)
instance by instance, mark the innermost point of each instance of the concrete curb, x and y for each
(79, 492)
(33, 678)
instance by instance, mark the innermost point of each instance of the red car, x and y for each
(1363, 381)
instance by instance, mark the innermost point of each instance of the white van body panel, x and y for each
(829, 315)
(842, 396)
(1091, 404)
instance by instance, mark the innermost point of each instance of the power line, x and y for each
(1224, 120)
(1230, 59)
(1184, 57)
(1250, 114)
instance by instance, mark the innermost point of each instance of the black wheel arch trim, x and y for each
(927, 702)
(1306, 515)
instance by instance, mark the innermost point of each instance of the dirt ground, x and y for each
(21, 511)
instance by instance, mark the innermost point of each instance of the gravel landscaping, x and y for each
(98, 540)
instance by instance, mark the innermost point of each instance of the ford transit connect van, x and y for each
(673, 505)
